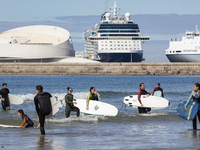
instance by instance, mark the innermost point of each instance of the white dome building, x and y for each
(39, 43)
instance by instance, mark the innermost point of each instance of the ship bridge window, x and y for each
(178, 51)
(119, 35)
(118, 26)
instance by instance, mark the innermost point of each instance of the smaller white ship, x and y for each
(187, 50)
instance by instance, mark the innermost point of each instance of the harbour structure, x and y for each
(115, 39)
(38, 43)
(186, 50)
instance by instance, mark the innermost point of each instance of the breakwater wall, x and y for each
(100, 68)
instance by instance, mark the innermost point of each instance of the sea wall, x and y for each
(99, 68)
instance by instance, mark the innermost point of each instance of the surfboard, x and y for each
(192, 109)
(96, 108)
(9, 126)
(56, 104)
(15, 99)
(157, 93)
(152, 102)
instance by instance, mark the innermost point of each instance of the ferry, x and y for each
(186, 50)
(115, 39)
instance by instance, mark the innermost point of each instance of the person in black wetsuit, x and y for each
(70, 104)
(42, 105)
(158, 88)
(26, 119)
(4, 97)
(142, 91)
(92, 96)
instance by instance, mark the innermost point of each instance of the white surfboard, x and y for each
(96, 107)
(9, 126)
(152, 102)
(56, 104)
(15, 99)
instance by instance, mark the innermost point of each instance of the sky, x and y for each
(159, 19)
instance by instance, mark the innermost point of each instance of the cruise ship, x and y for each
(39, 43)
(115, 39)
(187, 50)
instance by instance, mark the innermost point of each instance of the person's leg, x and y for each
(77, 111)
(41, 121)
(67, 112)
(194, 122)
(29, 125)
(3, 105)
(148, 110)
(139, 109)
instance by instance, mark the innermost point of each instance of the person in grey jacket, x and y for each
(70, 104)
(195, 97)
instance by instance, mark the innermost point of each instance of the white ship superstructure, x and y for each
(187, 50)
(115, 39)
(35, 44)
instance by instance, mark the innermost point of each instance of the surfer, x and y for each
(26, 119)
(70, 104)
(158, 88)
(142, 91)
(42, 105)
(4, 97)
(92, 96)
(195, 96)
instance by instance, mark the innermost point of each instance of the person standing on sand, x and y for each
(4, 97)
(142, 91)
(42, 106)
(195, 97)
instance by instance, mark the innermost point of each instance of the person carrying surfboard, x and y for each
(158, 88)
(70, 104)
(26, 119)
(142, 91)
(4, 97)
(195, 96)
(42, 106)
(92, 96)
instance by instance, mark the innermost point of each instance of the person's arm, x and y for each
(24, 121)
(154, 91)
(88, 98)
(139, 96)
(36, 105)
(97, 97)
(162, 92)
(188, 101)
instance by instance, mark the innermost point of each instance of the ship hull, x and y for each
(184, 57)
(120, 57)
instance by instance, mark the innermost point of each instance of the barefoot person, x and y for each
(26, 119)
(92, 96)
(4, 97)
(142, 91)
(195, 97)
(70, 104)
(42, 106)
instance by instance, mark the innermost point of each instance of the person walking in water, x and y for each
(195, 97)
(26, 119)
(92, 96)
(142, 91)
(158, 88)
(42, 106)
(4, 97)
(70, 104)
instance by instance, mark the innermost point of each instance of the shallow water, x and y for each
(161, 129)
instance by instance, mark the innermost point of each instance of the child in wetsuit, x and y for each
(26, 119)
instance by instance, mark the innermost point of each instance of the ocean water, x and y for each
(161, 129)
